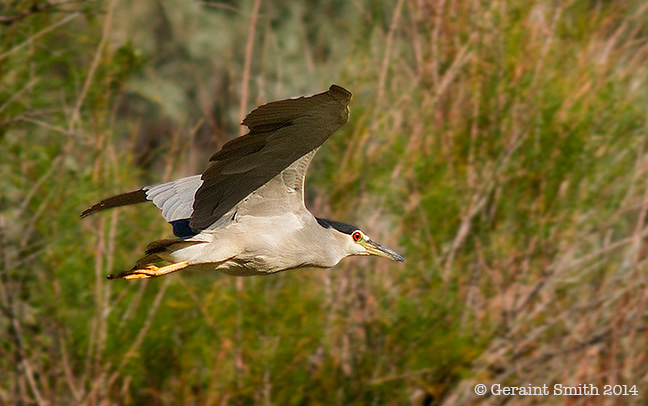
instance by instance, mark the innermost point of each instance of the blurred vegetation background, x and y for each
(500, 146)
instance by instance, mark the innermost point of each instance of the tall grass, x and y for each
(501, 145)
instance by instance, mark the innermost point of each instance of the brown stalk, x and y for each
(389, 42)
(8, 307)
(76, 113)
(143, 331)
(249, 47)
(67, 370)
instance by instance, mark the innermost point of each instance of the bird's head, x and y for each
(355, 242)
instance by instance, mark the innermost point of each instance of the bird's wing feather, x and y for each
(282, 136)
(124, 199)
(174, 198)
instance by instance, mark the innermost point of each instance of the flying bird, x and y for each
(245, 215)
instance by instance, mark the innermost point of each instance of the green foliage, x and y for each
(501, 145)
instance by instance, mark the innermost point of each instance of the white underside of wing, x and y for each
(175, 198)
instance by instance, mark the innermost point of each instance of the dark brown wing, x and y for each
(281, 132)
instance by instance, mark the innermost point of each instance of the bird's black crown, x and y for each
(341, 227)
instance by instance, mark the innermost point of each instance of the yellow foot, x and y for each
(150, 271)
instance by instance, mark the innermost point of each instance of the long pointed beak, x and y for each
(376, 248)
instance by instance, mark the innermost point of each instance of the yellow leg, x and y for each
(150, 271)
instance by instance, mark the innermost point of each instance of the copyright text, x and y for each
(557, 390)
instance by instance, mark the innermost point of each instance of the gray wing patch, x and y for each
(294, 176)
(174, 198)
(284, 192)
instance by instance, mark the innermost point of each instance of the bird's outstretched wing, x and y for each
(284, 136)
(174, 198)
(281, 133)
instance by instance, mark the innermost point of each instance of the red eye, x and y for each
(356, 236)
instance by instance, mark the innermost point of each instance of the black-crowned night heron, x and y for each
(245, 215)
